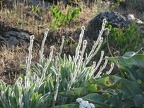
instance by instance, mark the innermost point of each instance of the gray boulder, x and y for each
(13, 38)
(113, 18)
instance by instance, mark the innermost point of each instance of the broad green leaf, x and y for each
(68, 106)
(128, 103)
(97, 99)
(129, 59)
(138, 100)
(115, 100)
(107, 81)
(74, 92)
(132, 65)
(80, 91)
(93, 88)
(68, 93)
(130, 88)
(129, 54)
(94, 98)
(137, 60)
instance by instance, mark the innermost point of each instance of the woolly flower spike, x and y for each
(32, 37)
(85, 42)
(62, 44)
(131, 17)
(104, 21)
(84, 104)
(79, 100)
(29, 58)
(83, 28)
(42, 45)
(46, 30)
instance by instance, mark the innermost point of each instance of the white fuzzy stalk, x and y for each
(111, 68)
(79, 44)
(48, 61)
(29, 58)
(42, 45)
(62, 44)
(57, 75)
(101, 69)
(99, 62)
(80, 62)
(28, 72)
(97, 44)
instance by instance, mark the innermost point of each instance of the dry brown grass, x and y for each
(18, 18)
(11, 61)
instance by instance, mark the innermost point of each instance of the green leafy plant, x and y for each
(60, 81)
(59, 18)
(26, 92)
(126, 89)
(43, 83)
(116, 3)
(131, 66)
(35, 9)
(108, 91)
(125, 39)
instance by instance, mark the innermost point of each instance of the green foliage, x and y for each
(20, 96)
(116, 3)
(43, 83)
(106, 91)
(59, 18)
(122, 92)
(131, 66)
(112, 90)
(125, 39)
(58, 82)
(35, 9)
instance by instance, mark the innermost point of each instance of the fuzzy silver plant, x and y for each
(69, 71)
(44, 81)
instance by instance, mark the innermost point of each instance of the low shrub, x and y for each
(125, 39)
(59, 19)
(45, 82)
(125, 89)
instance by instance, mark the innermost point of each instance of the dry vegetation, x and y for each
(17, 16)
